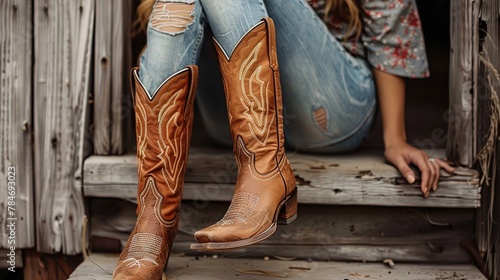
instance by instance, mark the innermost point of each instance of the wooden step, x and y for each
(320, 232)
(361, 178)
(101, 266)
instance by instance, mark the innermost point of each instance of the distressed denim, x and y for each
(328, 95)
(169, 52)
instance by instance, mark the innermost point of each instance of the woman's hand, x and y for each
(402, 155)
(391, 95)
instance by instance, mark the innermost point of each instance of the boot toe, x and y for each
(137, 270)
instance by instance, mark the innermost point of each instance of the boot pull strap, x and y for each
(193, 79)
(132, 83)
(271, 43)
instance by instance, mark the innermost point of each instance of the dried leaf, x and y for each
(389, 262)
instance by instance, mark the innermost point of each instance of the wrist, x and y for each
(394, 140)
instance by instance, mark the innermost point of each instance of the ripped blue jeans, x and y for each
(328, 95)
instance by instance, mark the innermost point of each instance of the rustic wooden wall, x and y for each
(16, 121)
(112, 63)
(463, 64)
(63, 36)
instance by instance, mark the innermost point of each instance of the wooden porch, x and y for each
(352, 208)
(70, 135)
(183, 267)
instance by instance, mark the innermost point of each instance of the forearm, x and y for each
(391, 96)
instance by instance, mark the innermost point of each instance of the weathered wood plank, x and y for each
(63, 36)
(121, 102)
(186, 267)
(16, 156)
(488, 121)
(463, 76)
(320, 232)
(48, 266)
(356, 179)
(102, 76)
(112, 63)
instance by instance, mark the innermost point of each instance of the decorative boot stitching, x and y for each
(241, 208)
(141, 124)
(251, 163)
(172, 146)
(255, 98)
(144, 247)
(149, 190)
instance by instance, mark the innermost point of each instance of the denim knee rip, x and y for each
(321, 118)
(172, 17)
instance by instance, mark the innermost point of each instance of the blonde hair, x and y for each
(143, 11)
(348, 12)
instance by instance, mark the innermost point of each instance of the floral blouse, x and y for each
(391, 40)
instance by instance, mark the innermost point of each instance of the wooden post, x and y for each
(463, 64)
(113, 56)
(488, 119)
(63, 36)
(16, 157)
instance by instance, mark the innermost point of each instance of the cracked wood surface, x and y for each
(361, 178)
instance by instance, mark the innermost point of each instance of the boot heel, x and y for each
(288, 212)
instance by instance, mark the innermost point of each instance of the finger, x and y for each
(433, 175)
(437, 168)
(423, 165)
(444, 165)
(405, 170)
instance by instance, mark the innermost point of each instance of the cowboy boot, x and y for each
(265, 192)
(163, 126)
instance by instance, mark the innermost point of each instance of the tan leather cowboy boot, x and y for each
(265, 192)
(163, 125)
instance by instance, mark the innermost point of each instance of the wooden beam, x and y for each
(463, 77)
(358, 179)
(112, 63)
(488, 122)
(16, 148)
(102, 76)
(63, 36)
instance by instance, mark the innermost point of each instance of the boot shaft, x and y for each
(253, 95)
(163, 131)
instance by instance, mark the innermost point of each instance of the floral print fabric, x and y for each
(391, 39)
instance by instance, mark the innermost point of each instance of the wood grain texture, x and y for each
(49, 266)
(356, 179)
(16, 149)
(63, 35)
(463, 76)
(488, 121)
(321, 232)
(112, 63)
(186, 267)
(102, 76)
(121, 101)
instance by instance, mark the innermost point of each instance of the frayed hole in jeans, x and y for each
(171, 17)
(321, 118)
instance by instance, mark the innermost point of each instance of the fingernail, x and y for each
(410, 178)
